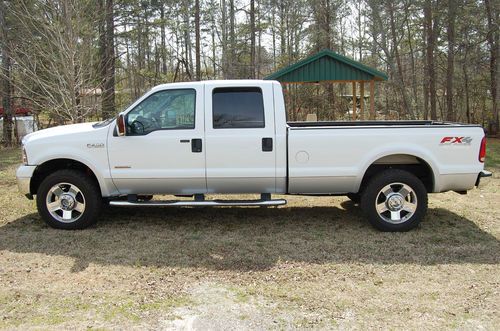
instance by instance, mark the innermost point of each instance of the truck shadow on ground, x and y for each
(244, 239)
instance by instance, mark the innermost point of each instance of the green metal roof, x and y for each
(326, 66)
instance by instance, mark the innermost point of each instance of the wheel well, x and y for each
(410, 163)
(49, 167)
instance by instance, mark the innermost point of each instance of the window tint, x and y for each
(169, 109)
(240, 107)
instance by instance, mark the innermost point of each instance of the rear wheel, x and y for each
(68, 199)
(394, 200)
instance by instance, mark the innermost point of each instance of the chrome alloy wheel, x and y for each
(396, 203)
(65, 202)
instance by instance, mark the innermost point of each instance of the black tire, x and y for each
(354, 197)
(88, 196)
(410, 208)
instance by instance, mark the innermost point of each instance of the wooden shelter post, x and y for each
(372, 99)
(354, 103)
(362, 100)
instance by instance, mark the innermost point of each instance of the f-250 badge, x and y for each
(456, 141)
(97, 145)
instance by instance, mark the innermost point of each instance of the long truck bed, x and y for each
(334, 156)
(377, 123)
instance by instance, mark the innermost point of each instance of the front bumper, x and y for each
(24, 174)
(482, 174)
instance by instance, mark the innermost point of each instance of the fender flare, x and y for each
(103, 186)
(411, 150)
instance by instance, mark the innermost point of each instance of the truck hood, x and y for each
(59, 131)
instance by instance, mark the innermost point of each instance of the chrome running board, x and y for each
(193, 203)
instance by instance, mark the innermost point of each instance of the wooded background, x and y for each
(76, 60)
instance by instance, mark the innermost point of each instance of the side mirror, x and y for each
(120, 125)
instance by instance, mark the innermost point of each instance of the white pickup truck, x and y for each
(231, 137)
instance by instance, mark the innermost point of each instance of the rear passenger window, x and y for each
(238, 107)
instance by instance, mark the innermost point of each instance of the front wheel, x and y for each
(394, 200)
(68, 199)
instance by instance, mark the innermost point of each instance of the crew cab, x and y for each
(232, 137)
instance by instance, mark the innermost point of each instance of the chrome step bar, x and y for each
(204, 203)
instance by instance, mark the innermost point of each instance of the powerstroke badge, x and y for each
(97, 145)
(456, 141)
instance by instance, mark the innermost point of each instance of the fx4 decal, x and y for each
(456, 141)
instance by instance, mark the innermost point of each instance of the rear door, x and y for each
(240, 138)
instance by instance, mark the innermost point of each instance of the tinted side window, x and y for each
(169, 109)
(238, 107)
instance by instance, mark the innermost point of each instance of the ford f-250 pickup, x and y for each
(231, 137)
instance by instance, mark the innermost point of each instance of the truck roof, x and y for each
(221, 82)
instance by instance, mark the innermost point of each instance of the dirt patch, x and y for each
(216, 307)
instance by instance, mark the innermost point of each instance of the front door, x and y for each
(163, 151)
(240, 138)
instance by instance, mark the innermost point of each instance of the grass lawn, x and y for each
(315, 263)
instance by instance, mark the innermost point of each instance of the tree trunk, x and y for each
(197, 37)
(273, 31)
(5, 78)
(431, 44)
(466, 82)
(282, 29)
(107, 52)
(418, 108)
(328, 25)
(214, 63)
(252, 38)
(450, 111)
(492, 37)
(101, 5)
(188, 63)
(259, 43)
(139, 56)
(163, 40)
(425, 80)
(232, 40)
(225, 53)
(131, 78)
(360, 31)
(399, 73)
